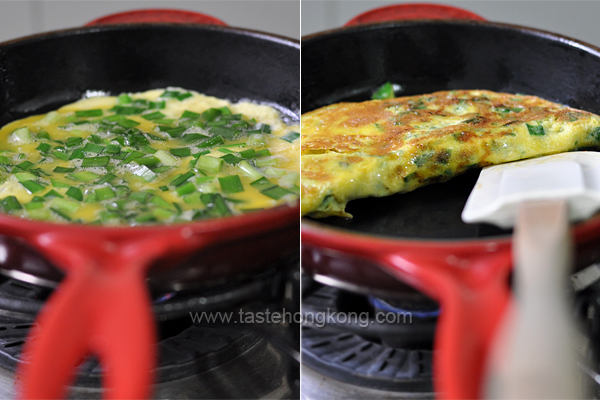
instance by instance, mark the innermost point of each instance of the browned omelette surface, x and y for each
(381, 147)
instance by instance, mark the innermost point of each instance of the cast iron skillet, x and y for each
(102, 305)
(419, 237)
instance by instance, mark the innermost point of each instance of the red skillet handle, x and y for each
(412, 11)
(101, 308)
(156, 15)
(471, 284)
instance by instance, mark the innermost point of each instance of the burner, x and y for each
(350, 349)
(196, 360)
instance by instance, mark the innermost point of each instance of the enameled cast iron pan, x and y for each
(102, 305)
(419, 237)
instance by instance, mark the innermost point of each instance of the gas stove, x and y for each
(198, 359)
(357, 346)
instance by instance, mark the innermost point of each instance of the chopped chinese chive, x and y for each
(211, 114)
(275, 192)
(61, 214)
(25, 165)
(161, 169)
(193, 198)
(190, 114)
(164, 188)
(225, 111)
(183, 96)
(133, 155)
(95, 161)
(290, 137)
(93, 148)
(32, 186)
(164, 121)
(254, 132)
(536, 130)
(112, 149)
(145, 173)
(4, 160)
(10, 203)
(24, 176)
(216, 204)
(149, 161)
(123, 99)
(249, 170)
(155, 137)
(231, 184)
(21, 135)
(216, 123)
(174, 132)
(160, 202)
(209, 165)
(43, 147)
(165, 158)
(170, 94)
(52, 193)
(61, 155)
(385, 91)
(214, 141)
(224, 150)
(127, 110)
(65, 205)
(250, 153)
(34, 205)
(140, 102)
(180, 179)
(149, 149)
(74, 141)
(153, 115)
(127, 123)
(63, 170)
(263, 153)
(88, 113)
(262, 183)
(156, 105)
(162, 214)
(77, 155)
(231, 159)
(104, 193)
(58, 184)
(75, 193)
(204, 179)
(83, 176)
(201, 153)
(141, 197)
(186, 189)
(181, 151)
(265, 128)
(106, 178)
(223, 131)
(265, 162)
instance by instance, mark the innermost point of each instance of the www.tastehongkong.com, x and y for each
(316, 319)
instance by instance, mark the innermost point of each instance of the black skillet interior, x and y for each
(426, 56)
(43, 72)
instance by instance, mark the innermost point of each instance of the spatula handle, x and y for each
(535, 356)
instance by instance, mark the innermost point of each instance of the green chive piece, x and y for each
(73, 141)
(231, 159)
(141, 197)
(58, 184)
(249, 170)
(190, 114)
(263, 153)
(52, 193)
(4, 160)
(216, 204)
(174, 132)
(104, 193)
(536, 130)
(127, 123)
(112, 149)
(186, 189)
(266, 162)
(153, 115)
(144, 172)
(385, 91)
(93, 148)
(231, 184)
(106, 178)
(10, 203)
(209, 165)
(32, 186)
(223, 131)
(149, 161)
(212, 142)
(156, 105)
(60, 153)
(193, 198)
(183, 96)
(180, 179)
(265, 128)
(262, 183)
(123, 99)
(165, 158)
(160, 202)
(290, 137)
(63, 170)
(83, 176)
(95, 161)
(133, 155)
(247, 154)
(211, 114)
(24, 176)
(34, 205)
(275, 192)
(75, 193)
(25, 165)
(65, 205)
(21, 135)
(162, 214)
(43, 147)
(181, 151)
(88, 113)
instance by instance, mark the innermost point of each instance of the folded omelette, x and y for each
(381, 147)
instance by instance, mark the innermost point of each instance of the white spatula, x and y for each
(535, 354)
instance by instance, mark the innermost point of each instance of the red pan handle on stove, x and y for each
(408, 11)
(156, 15)
(470, 281)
